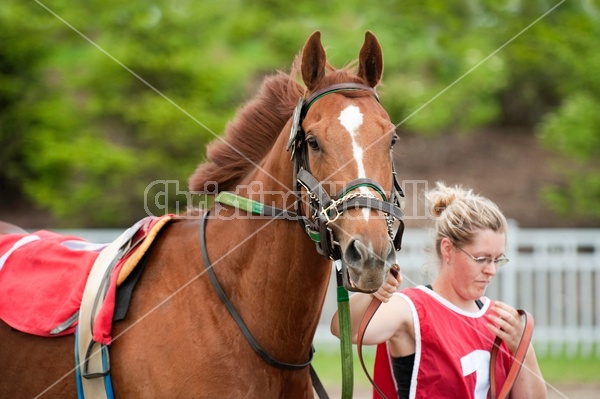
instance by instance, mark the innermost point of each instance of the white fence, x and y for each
(552, 273)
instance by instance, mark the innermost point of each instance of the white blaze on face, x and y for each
(351, 119)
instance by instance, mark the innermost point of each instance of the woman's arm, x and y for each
(530, 383)
(389, 318)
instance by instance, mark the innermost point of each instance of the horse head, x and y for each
(341, 142)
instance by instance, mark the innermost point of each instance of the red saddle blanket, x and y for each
(43, 275)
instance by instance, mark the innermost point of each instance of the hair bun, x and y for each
(440, 198)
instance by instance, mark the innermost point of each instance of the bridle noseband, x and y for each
(324, 209)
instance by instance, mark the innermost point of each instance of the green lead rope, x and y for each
(238, 202)
(345, 342)
(258, 208)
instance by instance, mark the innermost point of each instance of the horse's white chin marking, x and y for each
(352, 119)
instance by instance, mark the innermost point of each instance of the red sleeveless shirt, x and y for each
(453, 348)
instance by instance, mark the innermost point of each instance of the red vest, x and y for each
(453, 348)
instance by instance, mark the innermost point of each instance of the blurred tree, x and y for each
(21, 89)
(84, 137)
(572, 127)
(573, 130)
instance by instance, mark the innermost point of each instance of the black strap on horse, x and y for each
(234, 313)
(318, 386)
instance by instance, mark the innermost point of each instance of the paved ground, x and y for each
(575, 391)
(561, 391)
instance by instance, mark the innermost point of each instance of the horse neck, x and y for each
(282, 272)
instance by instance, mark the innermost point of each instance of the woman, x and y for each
(439, 337)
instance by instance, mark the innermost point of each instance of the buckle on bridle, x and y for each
(333, 206)
(325, 214)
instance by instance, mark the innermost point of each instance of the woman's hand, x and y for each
(394, 279)
(506, 324)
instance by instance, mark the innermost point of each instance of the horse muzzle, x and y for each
(366, 266)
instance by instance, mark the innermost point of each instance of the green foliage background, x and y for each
(83, 137)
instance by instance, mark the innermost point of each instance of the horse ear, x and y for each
(370, 64)
(313, 61)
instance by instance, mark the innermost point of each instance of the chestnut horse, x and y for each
(177, 339)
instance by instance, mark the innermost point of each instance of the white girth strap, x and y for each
(89, 352)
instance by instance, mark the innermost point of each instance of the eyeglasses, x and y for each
(486, 260)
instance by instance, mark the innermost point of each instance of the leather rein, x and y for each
(518, 358)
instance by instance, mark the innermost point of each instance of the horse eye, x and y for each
(312, 142)
(394, 139)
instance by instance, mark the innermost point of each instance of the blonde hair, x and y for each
(460, 213)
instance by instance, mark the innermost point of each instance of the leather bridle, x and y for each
(324, 209)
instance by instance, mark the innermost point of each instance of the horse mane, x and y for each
(252, 133)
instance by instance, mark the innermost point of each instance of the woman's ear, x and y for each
(446, 247)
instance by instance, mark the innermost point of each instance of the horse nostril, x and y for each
(356, 252)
